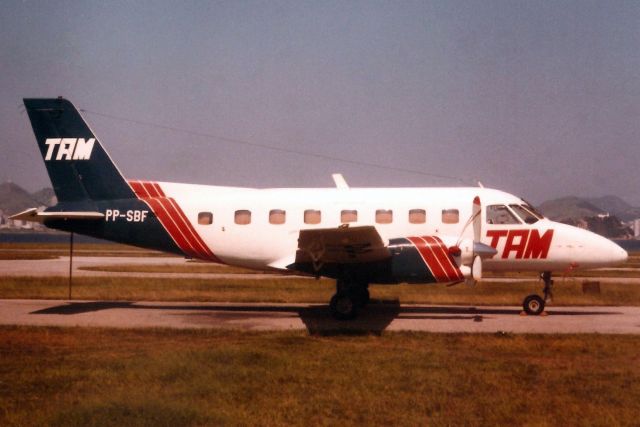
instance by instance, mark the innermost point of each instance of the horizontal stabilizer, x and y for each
(34, 216)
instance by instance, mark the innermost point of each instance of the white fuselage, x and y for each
(541, 246)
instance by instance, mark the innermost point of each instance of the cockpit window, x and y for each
(500, 214)
(525, 213)
(528, 206)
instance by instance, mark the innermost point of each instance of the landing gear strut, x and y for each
(348, 299)
(534, 304)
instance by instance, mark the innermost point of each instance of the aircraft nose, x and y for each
(609, 252)
(589, 250)
(617, 255)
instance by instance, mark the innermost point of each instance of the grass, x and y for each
(9, 251)
(99, 377)
(568, 290)
(5, 255)
(187, 267)
(304, 290)
(210, 268)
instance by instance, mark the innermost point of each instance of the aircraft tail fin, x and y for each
(78, 166)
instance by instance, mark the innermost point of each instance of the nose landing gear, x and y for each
(534, 304)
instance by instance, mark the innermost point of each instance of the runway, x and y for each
(315, 318)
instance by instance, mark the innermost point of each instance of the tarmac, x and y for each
(315, 318)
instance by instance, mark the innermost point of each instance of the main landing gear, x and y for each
(534, 304)
(348, 299)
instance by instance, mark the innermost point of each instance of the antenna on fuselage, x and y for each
(341, 183)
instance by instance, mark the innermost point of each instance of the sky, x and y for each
(537, 98)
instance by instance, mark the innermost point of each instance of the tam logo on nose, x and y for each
(526, 244)
(69, 148)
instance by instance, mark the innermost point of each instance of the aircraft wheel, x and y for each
(363, 297)
(533, 305)
(343, 307)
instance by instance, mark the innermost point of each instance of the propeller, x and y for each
(471, 234)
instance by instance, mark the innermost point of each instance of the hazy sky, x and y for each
(538, 98)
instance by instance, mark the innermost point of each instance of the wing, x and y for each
(342, 245)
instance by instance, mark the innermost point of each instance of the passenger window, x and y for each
(450, 216)
(205, 218)
(500, 214)
(243, 217)
(348, 216)
(384, 216)
(312, 216)
(277, 216)
(417, 216)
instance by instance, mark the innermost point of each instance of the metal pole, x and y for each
(70, 262)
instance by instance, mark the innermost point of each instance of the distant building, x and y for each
(636, 228)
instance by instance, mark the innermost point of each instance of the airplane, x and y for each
(357, 236)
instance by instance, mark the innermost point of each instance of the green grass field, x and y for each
(86, 377)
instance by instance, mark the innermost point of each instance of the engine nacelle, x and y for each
(431, 259)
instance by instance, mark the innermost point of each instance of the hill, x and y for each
(45, 196)
(569, 208)
(601, 215)
(14, 198)
(616, 206)
(576, 208)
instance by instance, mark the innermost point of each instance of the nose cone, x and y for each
(602, 252)
(587, 249)
(616, 254)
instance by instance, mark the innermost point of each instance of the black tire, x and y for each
(343, 307)
(533, 305)
(363, 297)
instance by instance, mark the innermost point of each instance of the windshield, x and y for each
(500, 214)
(526, 212)
(531, 209)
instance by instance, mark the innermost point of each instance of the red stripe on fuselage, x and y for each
(158, 189)
(171, 227)
(431, 245)
(441, 252)
(173, 220)
(193, 232)
(151, 189)
(185, 228)
(429, 259)
(138, 188)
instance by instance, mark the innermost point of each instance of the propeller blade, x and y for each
(477, 219)
(476, 268)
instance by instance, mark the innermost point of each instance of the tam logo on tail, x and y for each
(69, 148)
